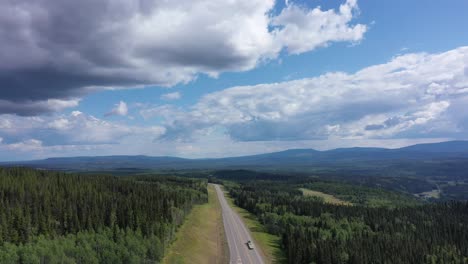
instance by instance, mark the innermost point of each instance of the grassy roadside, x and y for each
(268, 243)
(201, 238)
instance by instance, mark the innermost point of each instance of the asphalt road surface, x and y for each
(237, 235)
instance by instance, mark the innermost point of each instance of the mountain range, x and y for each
(288, 159)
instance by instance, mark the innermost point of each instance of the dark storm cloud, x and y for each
(56, 49)
(44, 83)
(29, 108)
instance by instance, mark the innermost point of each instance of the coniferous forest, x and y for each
(312, 231)
(54, 217)
(57, 217)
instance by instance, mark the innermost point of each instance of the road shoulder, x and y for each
(201, 238)
(268, 244)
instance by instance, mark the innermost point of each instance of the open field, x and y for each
(435, 194)
(268, 243)
(326, 197)
(201, 238)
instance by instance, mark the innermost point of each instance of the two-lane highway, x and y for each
(237, 235)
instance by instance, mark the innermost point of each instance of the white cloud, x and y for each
(76, 113)
(412, 98)
(34, 149)
(60, 124)
(87, 129)
(413, 95)
(166, 111)
(120, 109)
(26, 145)
(76, 128)
(199, 148)
(385, 125)
(5, 123)
(304, 30)
(171, 96)
(49, 50)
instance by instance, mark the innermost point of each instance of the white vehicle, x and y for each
(250, 245)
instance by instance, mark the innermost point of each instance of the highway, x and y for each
(237, 235)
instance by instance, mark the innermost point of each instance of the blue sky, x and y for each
(208, 83)
(395, 27)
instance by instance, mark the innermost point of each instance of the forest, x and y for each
(312, 231)
(56, 217)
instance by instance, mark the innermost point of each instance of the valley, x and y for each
(203, 215)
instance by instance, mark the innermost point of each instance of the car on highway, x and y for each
(250, 245)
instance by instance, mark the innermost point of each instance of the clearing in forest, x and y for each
(328, 198)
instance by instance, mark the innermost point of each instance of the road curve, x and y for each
(237, 235)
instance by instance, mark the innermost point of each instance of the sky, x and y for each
(218, 78)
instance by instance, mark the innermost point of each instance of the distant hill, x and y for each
(444, 147)
(298, 159)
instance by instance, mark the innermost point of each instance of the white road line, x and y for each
(236, 233)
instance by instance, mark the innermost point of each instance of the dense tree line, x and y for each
(251, 175)
(315, 232)
(362, 195)
(54, 217)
